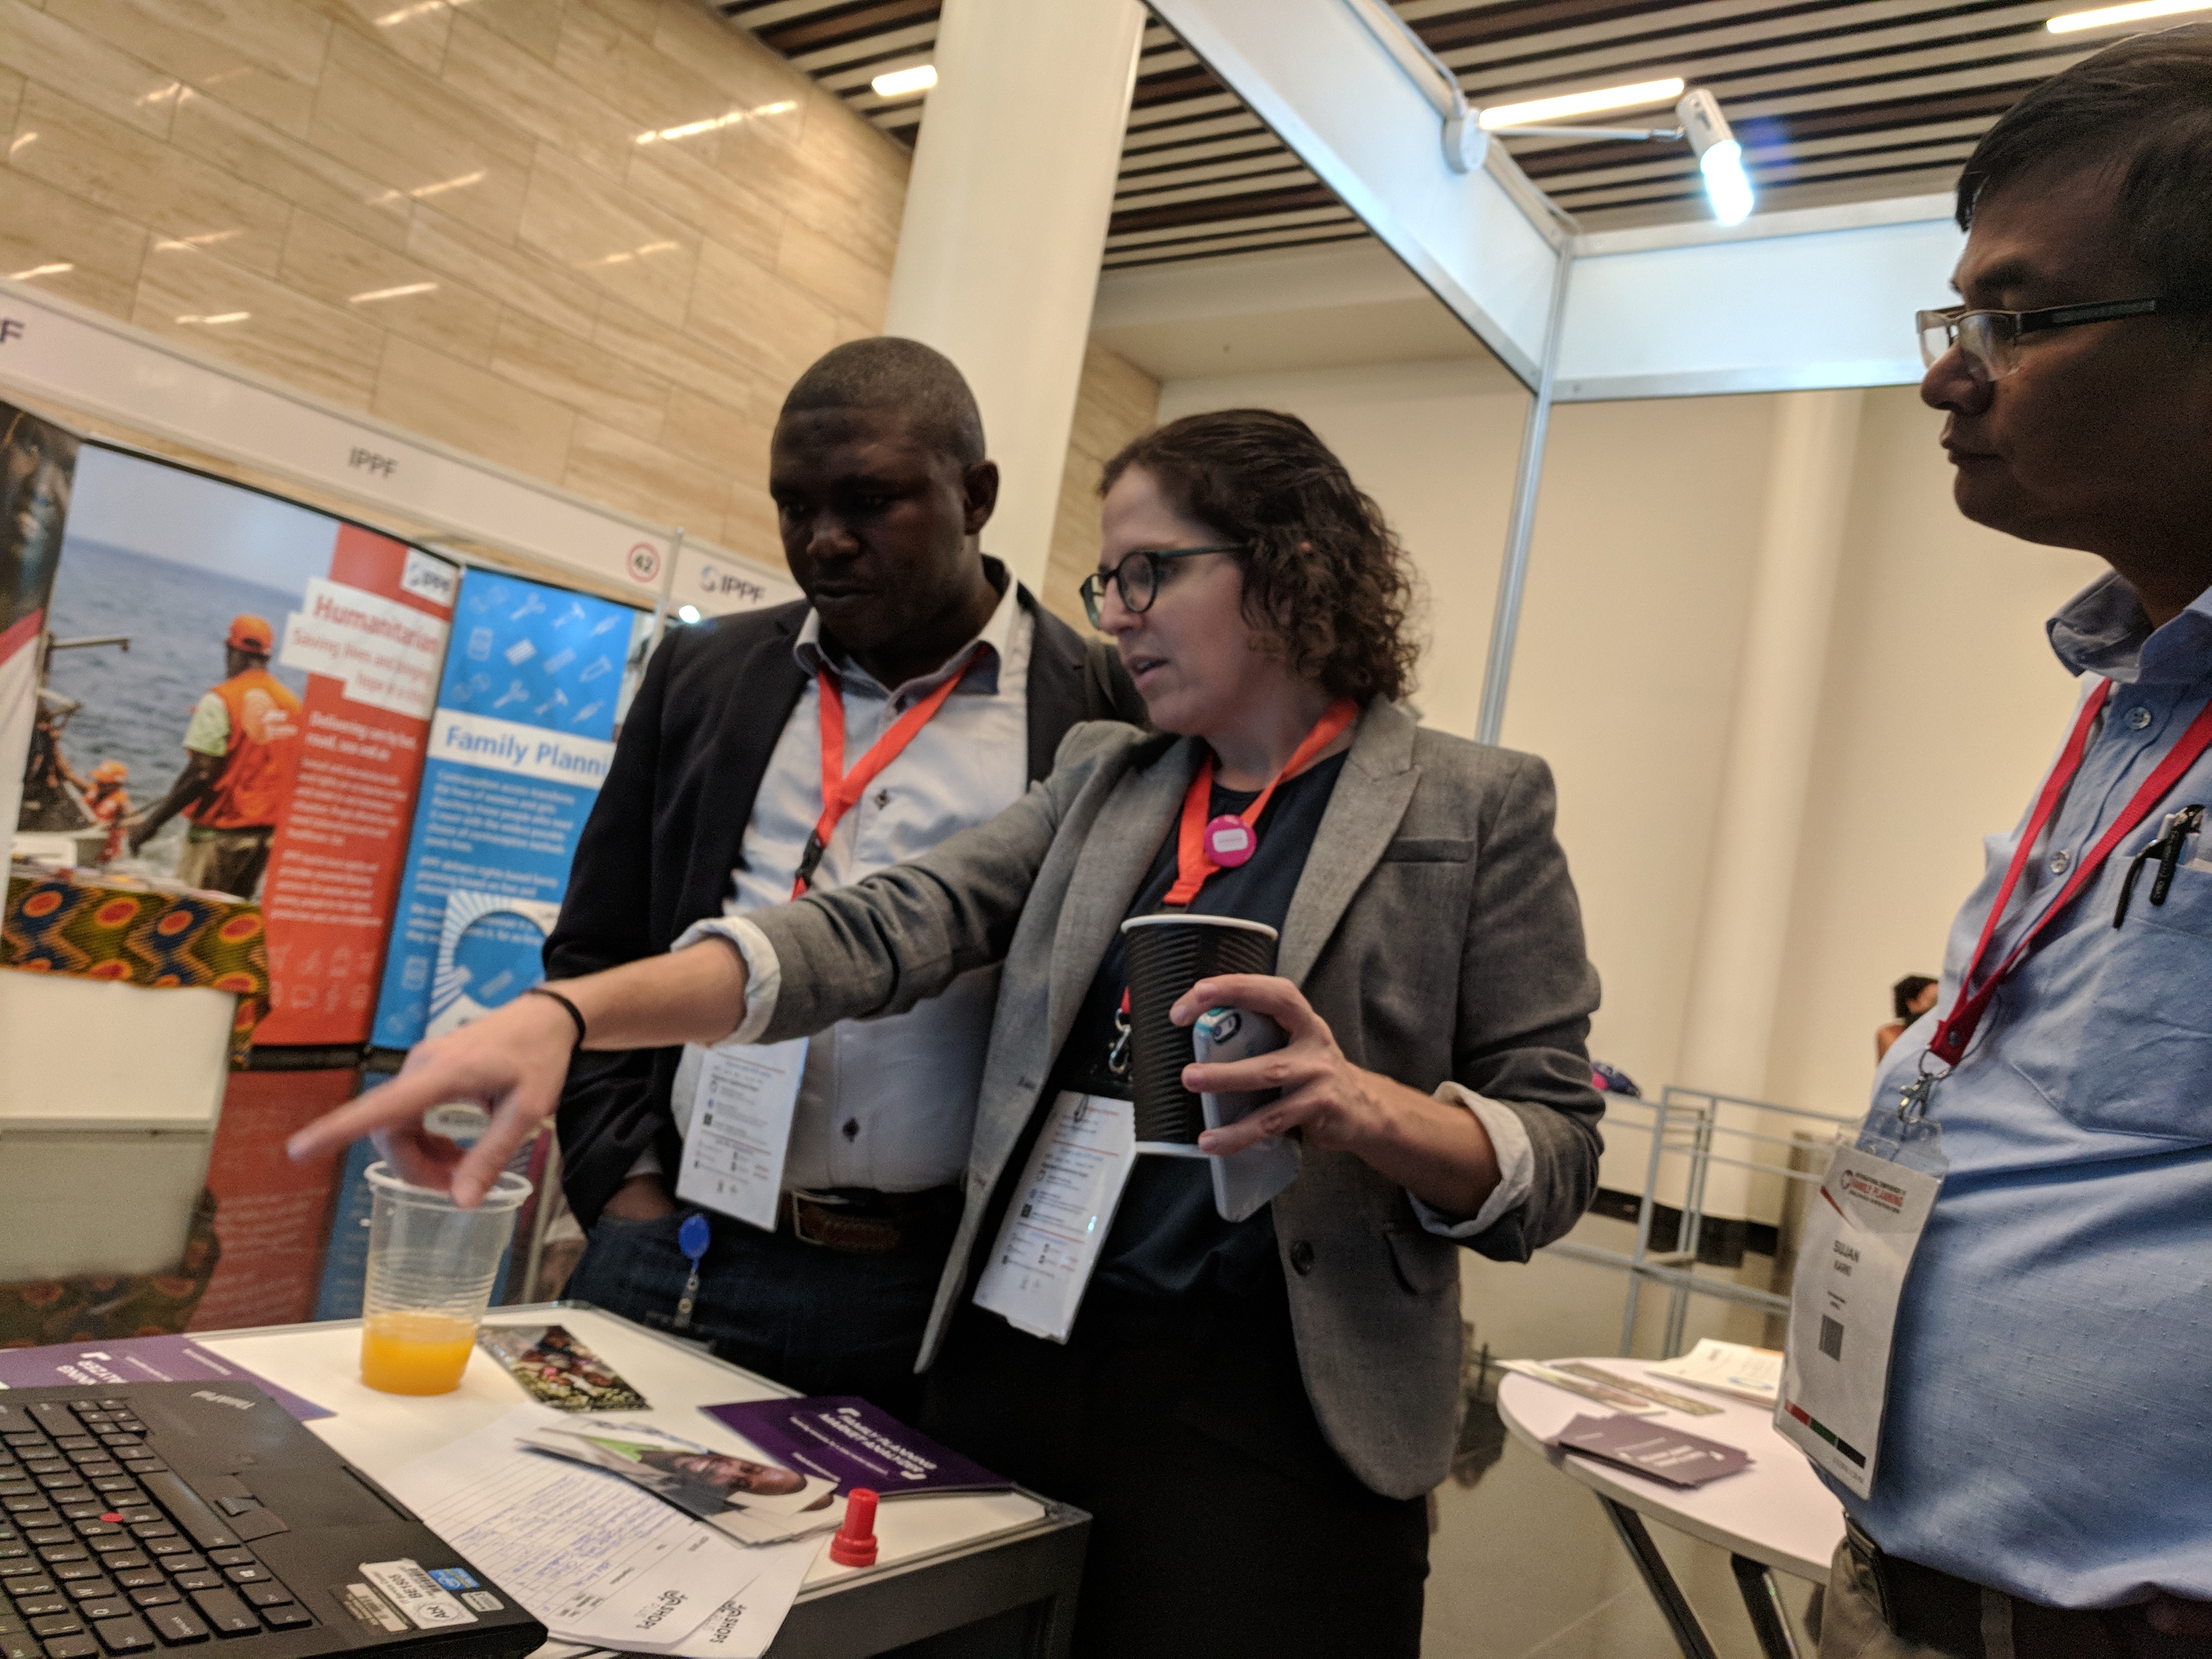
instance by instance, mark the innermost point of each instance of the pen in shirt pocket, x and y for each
(2173, 836)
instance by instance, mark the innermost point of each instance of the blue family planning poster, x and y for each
(522, 737)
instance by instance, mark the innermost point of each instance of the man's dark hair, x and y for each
(886, 372)
(2144, 107)
(1323, 572)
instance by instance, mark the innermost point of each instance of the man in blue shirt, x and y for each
(2043, 1484)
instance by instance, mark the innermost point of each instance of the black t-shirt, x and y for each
(1167, 1239)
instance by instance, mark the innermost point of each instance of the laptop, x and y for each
(142, 1517)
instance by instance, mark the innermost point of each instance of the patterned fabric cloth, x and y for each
(108, 1306)
(76, 922)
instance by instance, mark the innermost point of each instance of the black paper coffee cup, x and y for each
(1168, 955)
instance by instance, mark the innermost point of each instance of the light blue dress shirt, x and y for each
(2049, 1420)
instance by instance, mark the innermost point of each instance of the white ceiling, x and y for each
(1332, 308)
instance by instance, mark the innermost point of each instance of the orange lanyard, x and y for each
(1204, 849)
(842, 790)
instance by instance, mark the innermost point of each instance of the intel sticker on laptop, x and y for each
(416, 1594)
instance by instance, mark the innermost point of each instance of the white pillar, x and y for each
(1752, 871)
(1007, 211)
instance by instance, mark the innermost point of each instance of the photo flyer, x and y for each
(556, 1370)
(754, 1499)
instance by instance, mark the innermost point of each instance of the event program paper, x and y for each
(602, 1563)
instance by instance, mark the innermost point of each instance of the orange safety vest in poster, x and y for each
(264, 753)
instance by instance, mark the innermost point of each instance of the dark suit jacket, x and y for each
(659, 849)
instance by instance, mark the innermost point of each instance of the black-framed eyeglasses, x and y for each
(1138, 577)
(1989, 340)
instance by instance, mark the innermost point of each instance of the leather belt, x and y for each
(1951, 1615)
(866, 1223)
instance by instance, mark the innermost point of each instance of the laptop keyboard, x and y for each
(104, 1551)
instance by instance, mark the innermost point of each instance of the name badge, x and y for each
(1859, 1240)
(739, 1130)
(1048, 1244)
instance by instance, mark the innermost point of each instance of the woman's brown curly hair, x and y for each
(1324, 575)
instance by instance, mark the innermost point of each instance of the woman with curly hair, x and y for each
(1253, 1411)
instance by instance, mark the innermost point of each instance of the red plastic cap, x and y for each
(854, 1544)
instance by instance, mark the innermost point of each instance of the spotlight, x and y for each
(1720, 157)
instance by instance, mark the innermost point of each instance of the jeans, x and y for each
(814, 1319)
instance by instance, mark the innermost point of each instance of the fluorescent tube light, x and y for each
(2104, 16)
(898, 84)
(1581, 103)
(687, 613)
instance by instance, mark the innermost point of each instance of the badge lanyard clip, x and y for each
(692, 1239)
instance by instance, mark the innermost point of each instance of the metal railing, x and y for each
(1689, 1124)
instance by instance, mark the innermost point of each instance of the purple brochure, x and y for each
(92, 1365)
(845, 1439)
(1642, 1447)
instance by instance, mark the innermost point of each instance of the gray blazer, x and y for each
(1435, 929)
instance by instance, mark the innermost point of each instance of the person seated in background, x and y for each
(1911, 997)
(882, 490)
(1255, 1412)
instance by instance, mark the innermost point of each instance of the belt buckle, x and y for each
(799, 1203)
(857, 1234)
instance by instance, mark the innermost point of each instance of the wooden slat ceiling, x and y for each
(1834, 102)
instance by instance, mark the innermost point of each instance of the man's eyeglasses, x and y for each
(1138, 577)
(1989, 340)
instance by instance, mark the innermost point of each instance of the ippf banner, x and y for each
(522, 738)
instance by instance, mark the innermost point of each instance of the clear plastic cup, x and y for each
(431, 1265)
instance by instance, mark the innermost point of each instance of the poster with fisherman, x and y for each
(241, 689)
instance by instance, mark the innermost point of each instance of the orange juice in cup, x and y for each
(431, 1265)
(408, 1351)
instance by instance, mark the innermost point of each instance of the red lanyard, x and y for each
(842, 790)
(1957, 1027)
(1198, 840)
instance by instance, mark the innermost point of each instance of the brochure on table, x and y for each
(136, 1359)
(604, 1562)
(523, 737)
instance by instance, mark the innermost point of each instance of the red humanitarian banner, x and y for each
(371, 638)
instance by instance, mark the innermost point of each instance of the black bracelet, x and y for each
(575, 1012)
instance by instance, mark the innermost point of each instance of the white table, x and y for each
(1774, 1515)
(943, 1563)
